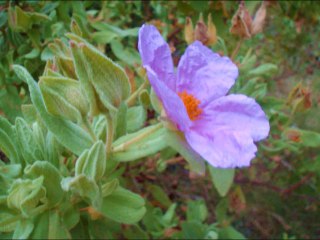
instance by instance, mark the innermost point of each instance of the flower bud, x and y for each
(63, 58)
(202, 32)
(299, 98)
(188, 31)
(241, 22)
(259, 19)
(293, 135)
(212, 32)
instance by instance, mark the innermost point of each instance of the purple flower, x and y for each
(222, 129)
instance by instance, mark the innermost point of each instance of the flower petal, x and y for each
(204, 73)
(155, 52)
(171, 102)
(225, 132)
(223, 149)
(239, 113)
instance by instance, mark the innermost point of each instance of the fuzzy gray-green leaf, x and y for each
(136, 118)
(140, 144)
(109, 80)
(51, 181)
(7, 146)
(222, 179)
(67, 133)
(69, 90)
(123, 206)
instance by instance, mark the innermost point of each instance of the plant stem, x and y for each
(88, 127)
(236, 50)
(110, 132)
(134, 95)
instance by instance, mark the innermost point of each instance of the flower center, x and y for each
(192, 105)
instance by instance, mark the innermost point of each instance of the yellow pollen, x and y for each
(192, 105)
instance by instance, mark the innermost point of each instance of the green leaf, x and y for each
(67, 133)
(52, 150)
(212, 234)
(310, 138)
(6, 126)
(230, 233)
(10, 101)
(153, 221)
(63, 98)
(92, 162)
(144, 99)
(193, 230)
(10, 170)
(197, 210)
(250, 86)
(135, 232)
(29, 113)
(38, 17)
(109, 80)
(51, 181)
(29, 148)
(159, 194)
(140, 144)
(136, 118)
(66, 66)
(155, 102)
(221, 211)
(127, 55)
(57, 229)
(8, 147)
(177, 142)
(103, 37)
(26, 195)
(84, 186)
(61, 51)
(103, 228)
(39, 138)
(46, 54)
(123, 206)
(102, 26)
(84, 78)
(3, 18)
(267, 68)
(71, 217)
(18, 19)
(41, 226)
(81, 20)
(254, 89)
(8, 220)
(248, 62)
(33, 54)
(222, 179)
(109, 187)
(168, 219)
(121, 128)
(100, 127)
(23, 229)
(75, 28)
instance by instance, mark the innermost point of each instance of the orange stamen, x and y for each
(192, 105)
